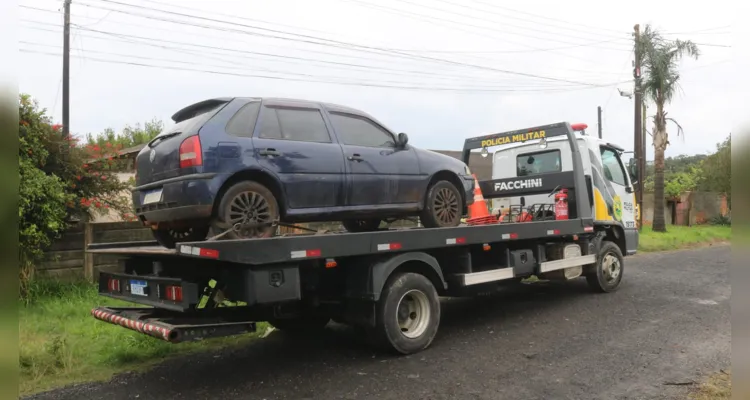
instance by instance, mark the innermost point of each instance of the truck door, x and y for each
(613, 192)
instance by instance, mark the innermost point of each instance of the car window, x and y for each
(613, 170)
(359, 131)
(243, 121)
(541, 162)
(303, 125)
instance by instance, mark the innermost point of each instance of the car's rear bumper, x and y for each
(187, 197)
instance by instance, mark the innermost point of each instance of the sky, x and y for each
(439, 70)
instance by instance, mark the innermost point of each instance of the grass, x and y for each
(716, 387)
(61, 343)
(679, 237)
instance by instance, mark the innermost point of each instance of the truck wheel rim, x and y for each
(611, 267)
(413, 313)
(445, 206)
(250, 208)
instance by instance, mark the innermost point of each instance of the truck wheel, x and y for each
(170, 237)
(442, 207)
(608, 269)
(361, 225)
(303, 324)
(408, 313)
(248, 203)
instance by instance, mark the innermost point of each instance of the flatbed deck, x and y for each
(281, 249)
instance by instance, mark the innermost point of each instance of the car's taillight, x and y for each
(173, 293)
(113, 285)
(190, 152)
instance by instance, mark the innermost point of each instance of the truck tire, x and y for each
(408, 314)
(442, 206)
(608, 269)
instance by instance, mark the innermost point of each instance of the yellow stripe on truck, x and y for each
(600, 207)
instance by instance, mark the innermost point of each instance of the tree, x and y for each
(717, 170)
(60, 181)
(130, 136)
(659, 82)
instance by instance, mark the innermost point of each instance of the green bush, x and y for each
(60, 181)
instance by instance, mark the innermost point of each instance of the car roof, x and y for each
(304, 102)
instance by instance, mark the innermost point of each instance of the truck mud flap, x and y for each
(170, 327)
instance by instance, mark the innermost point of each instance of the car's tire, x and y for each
(308, 323)
(361, 225)
(170, 237)
(248, 202)
(408, 314)
(443, 206)
(608, 269)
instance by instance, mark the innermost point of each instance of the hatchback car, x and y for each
(251, 162)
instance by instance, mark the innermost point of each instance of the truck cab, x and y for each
(609, 182)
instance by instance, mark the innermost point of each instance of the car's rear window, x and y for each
(540, 162)
(197, 120)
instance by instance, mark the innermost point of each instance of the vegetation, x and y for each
(62, 181)
(62, 344)
(659, 83)
(716, 387)
(680, 237)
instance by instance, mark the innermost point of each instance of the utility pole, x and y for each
(638, 147)
(66, 73)
(599, 119)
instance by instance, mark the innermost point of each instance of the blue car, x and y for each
(252, 162)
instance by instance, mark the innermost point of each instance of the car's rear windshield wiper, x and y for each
(161, 137)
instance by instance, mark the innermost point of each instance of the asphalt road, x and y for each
(667, 325)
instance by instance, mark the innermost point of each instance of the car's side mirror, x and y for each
(402, 140)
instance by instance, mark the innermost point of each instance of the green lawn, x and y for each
(61, 343)
(678, 237)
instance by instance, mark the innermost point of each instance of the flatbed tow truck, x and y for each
(388, 281)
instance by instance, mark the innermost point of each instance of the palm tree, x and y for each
(660, 59)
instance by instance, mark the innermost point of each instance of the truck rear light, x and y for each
(190, 152)
(173, 293)
(113, 285)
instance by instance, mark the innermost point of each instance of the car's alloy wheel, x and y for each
(443, 206)
(249, 209)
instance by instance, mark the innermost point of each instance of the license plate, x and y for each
(153, 196)
(138, 288)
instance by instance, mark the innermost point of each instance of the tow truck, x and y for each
(389, 281)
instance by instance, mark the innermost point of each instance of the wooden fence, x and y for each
(66, 257)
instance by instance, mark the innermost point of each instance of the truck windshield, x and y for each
(541, 162)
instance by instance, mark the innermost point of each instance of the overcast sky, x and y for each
(453, 68)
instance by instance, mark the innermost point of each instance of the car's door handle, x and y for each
(269, 152)
(355, 157)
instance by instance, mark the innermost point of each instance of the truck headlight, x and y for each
(467, 170)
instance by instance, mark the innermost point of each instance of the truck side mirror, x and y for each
(402, 140)
(633, 170)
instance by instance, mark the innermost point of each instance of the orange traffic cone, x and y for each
(478, 212)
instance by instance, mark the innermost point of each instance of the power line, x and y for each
(544, 17)
(422, 88)
(351, 46)
(255, 68)
(495, 22)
